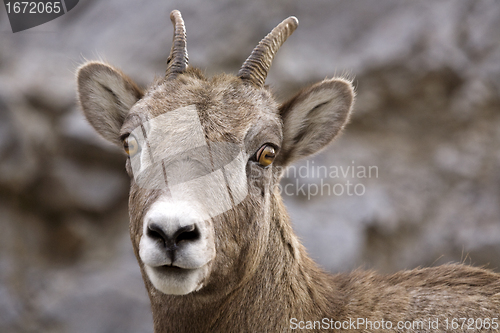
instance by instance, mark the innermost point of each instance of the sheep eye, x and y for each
(265, 155)
(130, 145)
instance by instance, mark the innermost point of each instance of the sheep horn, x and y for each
(256, 67)
(177, 61)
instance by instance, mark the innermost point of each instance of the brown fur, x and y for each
(262, 277)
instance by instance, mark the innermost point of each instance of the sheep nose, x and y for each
(172, 239)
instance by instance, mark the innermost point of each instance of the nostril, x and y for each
(187, 233)
(157, 233)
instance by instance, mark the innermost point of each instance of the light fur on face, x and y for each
(185, 272)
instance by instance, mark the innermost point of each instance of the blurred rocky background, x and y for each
(427, 116)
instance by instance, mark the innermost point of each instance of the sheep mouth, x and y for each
(175, 280)
(171, 269)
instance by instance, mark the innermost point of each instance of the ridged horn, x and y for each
(256, 67)
(177, 61)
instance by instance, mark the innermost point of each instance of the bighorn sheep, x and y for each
(213, 240)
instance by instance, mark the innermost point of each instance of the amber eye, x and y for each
(266, 155)
(130, 145)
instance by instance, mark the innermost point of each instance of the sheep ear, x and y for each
(313, 118)
(106, 96)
